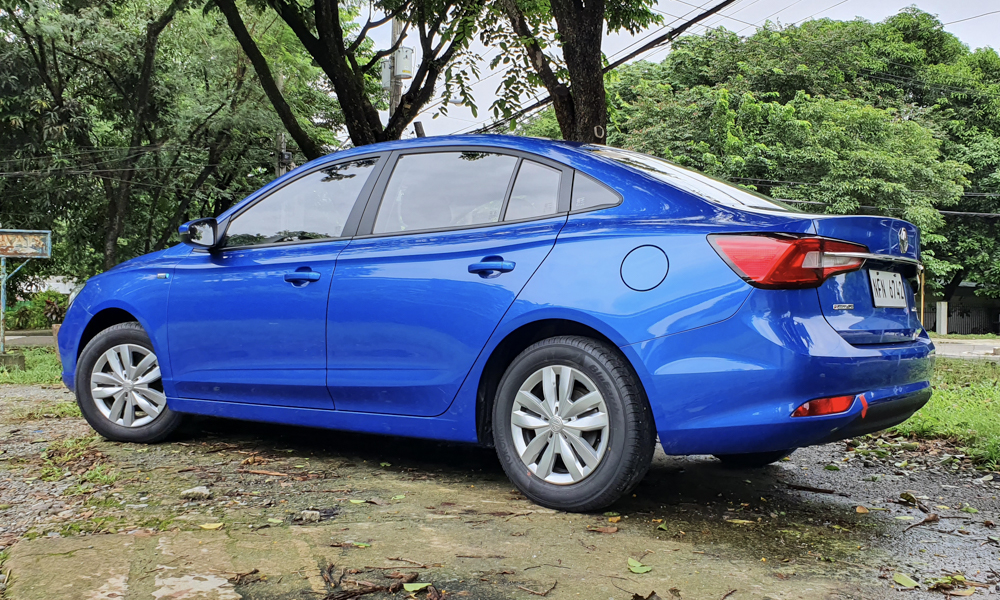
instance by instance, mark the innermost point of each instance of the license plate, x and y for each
(887, 289)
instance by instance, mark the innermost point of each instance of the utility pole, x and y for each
(396, 89)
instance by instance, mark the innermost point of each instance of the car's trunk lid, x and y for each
(876, 304)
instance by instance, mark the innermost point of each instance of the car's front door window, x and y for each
(444, 189)
(315, 206)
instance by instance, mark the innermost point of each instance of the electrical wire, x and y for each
(971, 18)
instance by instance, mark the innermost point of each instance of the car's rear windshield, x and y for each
(690, 181)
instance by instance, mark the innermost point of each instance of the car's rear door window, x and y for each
(439, 190)
(313, 207)
(535, 193)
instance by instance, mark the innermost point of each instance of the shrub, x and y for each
(40, 312)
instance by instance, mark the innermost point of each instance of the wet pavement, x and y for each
(322, 514)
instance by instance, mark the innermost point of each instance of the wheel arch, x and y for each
(102, 320)
(512, 345)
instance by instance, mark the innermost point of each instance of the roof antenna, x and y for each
(418, 128)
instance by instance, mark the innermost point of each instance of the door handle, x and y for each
(302, 276)
(492, 266)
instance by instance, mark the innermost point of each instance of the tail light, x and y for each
(824, 406)
(786, 262)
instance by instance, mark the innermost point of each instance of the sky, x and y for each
(743, 17)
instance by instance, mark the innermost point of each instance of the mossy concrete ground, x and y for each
(89, 518)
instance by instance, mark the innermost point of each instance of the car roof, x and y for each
(540, 146)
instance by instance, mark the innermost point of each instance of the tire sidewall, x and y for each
(125, 333)
(608, 472)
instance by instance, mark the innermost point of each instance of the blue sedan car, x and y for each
(564, 303)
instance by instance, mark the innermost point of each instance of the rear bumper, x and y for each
(731, 387)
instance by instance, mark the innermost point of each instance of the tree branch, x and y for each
(309, 146)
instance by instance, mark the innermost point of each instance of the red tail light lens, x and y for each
(824, 406)
(785, 262)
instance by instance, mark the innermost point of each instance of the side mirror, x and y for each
(200, 233)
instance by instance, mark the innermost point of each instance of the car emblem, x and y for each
(904, 241)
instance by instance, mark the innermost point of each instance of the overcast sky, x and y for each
(742, 17)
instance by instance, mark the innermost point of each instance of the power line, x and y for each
(971, 18)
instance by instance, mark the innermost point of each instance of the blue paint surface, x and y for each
(394, 333)
(644, 268)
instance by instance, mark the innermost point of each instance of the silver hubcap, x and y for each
(560, 425)
(126, 387)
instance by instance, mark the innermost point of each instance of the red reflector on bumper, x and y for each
(824, 406)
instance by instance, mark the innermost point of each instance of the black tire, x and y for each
(753, 460)
(631, 432)
(123, 333)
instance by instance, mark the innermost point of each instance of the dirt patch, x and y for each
(320, 513)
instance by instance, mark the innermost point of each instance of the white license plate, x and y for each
(887, 289)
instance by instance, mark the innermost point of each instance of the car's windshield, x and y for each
(690, 181)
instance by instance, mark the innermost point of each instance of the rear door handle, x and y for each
(302, 276)
(492, 266)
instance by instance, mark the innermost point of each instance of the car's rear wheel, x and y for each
(753, 460)
(119, 389)
(571, 424)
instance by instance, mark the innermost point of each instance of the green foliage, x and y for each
(69, 77)
(896, 118)
(34, 313)
(964, 408)
(42, 367)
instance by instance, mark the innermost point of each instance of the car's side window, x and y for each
(315, 206)
(590, 193)
(439, 190)
(535, 193)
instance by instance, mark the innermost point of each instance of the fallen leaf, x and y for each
(273, 520)
(611, 529)
(357, 501)
(963, 592)
(614, 519)
(904, 580)
(905, 518)
(861, 510)
(385, 464)
(399, 497)
(832, 468)
(414, 587)
(211, 526)
(970, 510)
(739, 521)
(256, 472)
(637, 567)
(662, 526)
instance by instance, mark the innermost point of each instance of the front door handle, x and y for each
(492, 266)
(302, 277)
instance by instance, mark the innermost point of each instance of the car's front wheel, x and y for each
(118, 387)
(571, 424)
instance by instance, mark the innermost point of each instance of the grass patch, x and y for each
(47, 410)
(964, 409)
(60, 455)
(101, 474)
(41, 366)
(964, 336)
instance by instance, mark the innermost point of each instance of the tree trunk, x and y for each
(952, 286)
(118, 202)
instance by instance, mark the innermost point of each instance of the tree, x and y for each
(574, 80)
(895, 118)
(110, 173)
(325, 30)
